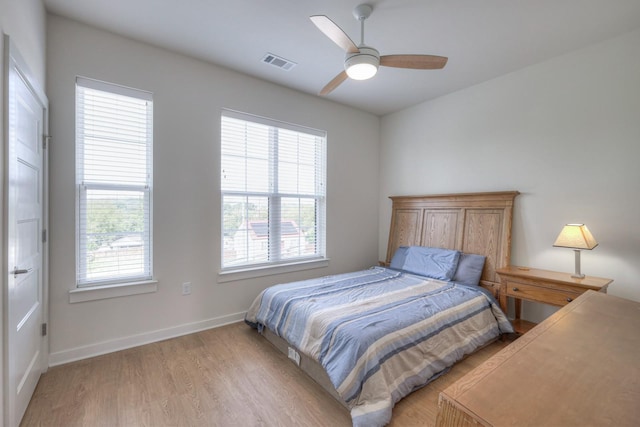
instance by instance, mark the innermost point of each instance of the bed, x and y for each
(371, 337)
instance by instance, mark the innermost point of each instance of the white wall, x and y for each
(24, 22)
(188, 98)
(565, 133)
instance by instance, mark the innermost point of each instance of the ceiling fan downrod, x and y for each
(361, 13)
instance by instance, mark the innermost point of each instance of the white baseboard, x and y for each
(123, 343)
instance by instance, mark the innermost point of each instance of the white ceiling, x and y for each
(482, 38)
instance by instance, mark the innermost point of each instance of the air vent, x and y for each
(278, 61)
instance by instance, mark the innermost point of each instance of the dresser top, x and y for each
(578, 367)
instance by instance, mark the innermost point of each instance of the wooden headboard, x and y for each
(478, 223)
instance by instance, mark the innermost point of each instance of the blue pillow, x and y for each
(397, 262)
(469, 269)
(430, 262)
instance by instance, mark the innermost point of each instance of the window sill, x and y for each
(251, 273)
(112, 291)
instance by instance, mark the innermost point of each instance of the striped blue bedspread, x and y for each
(379, 333)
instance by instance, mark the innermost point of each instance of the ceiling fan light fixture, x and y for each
(362, 65)
(361, 71)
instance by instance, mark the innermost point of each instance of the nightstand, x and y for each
(549, 287)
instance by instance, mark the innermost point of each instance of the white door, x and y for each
(25, 349)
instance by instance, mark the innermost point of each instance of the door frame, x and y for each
(13, 59)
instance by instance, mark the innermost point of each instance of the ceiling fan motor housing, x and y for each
(363, 64)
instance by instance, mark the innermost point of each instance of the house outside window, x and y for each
(273, 192)
(114, 143)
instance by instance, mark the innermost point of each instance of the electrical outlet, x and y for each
(186, 288)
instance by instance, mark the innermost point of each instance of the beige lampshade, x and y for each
(575, 236)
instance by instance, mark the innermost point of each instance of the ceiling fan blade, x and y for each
(337, 80)
(418, 62)
(335, 33)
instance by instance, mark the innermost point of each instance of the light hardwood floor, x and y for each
(229, 376)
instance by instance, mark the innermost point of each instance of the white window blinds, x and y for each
(114, 135)
(273, 192)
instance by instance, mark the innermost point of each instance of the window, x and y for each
(114, 136)
(273, 192)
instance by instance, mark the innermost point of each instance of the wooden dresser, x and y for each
(579, 367)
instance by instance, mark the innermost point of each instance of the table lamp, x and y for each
(576, 237)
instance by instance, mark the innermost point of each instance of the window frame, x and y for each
(112, 285)
(281, 265)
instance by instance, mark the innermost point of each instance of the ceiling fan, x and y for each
(361, 62)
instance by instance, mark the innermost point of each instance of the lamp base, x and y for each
(577, 274)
